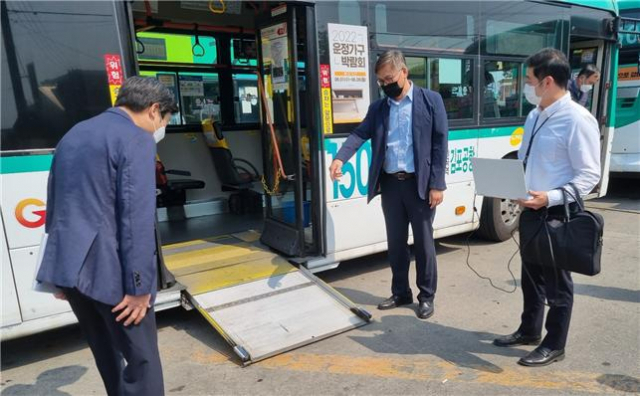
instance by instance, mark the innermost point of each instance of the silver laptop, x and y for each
(499, 178)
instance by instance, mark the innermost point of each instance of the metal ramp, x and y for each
(260, 303)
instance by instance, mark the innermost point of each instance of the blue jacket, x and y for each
(430, 138)
(101, 210)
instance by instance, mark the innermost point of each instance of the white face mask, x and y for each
(586, 87)
(158, 134)
(530, 94)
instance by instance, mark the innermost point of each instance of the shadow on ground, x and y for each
(48, 382)
(623, 383)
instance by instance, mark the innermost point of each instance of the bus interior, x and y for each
(245, 174)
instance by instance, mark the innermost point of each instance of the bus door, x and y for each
(592, 43)
(582, 54)
(292, 188)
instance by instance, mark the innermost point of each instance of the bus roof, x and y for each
(607, 5)
(628, 5)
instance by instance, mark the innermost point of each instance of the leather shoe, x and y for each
(394, 302)
(516, 338)
(425, 310)
(541, 356)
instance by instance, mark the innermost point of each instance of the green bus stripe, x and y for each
(463, 134)
(482, 133)
(25, 163)
(42, 163)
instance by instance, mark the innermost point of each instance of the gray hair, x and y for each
(139, 93)
(393, 57)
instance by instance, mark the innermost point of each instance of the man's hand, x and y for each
(60, 296)
(435, 198)
(133, 308)
(539, 200)
(335, 170)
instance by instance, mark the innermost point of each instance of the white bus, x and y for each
(285, 84)
(625, 152)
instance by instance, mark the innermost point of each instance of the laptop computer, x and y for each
(499, 178)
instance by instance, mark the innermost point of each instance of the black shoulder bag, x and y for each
(570, 241)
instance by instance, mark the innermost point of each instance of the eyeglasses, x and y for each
(387, 81)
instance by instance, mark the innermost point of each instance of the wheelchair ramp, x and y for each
(260, 303)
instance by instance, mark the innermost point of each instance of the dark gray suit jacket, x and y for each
(430, 139)
(101, 210)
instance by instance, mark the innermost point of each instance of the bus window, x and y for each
(244, 52)
(246, 99)
(177, 48)
(502, 90)
(522, 28)
(199, 96)
(449, 77)
(424, 25)
(56, 77)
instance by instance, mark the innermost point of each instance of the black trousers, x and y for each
(402, 206)
(540, 283)
(112, 344)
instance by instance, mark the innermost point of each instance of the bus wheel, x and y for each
(499, 219)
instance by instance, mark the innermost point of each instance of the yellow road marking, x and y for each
(431, 370)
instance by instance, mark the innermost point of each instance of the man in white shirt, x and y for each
(565, 148)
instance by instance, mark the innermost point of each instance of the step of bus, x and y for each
(260, 303)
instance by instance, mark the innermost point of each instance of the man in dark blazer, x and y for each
(408, 131)
(101, 248)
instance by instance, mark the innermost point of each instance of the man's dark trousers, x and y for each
(402, 206)
(111, 342)
(556, 286)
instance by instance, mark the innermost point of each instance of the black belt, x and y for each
(401, 175)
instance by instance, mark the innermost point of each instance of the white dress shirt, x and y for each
(566, 149)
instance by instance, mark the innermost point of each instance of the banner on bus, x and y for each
(629, 73)
(115, 74)
(325, 86)
(349, 63)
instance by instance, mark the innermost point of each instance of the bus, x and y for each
(267, 94)
(625, 151)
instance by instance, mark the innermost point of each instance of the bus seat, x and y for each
(173, 192)
(235, 174)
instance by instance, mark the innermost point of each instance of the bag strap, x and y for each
(575, 194)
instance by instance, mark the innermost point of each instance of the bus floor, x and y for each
(176, 231)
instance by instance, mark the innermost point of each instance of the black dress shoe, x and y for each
(395, 301)
(516, 338)
(541, 356)
(425, 310)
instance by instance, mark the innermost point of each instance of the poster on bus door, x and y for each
(349, 60)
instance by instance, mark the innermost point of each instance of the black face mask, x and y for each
(392, 90)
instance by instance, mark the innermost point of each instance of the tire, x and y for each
(500, 217)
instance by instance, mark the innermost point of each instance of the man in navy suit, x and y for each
(101, 249)
(408, 131)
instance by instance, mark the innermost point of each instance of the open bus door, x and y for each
(594, 42)
(260, 303)
(286, 113)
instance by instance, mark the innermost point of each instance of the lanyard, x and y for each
(533, 135)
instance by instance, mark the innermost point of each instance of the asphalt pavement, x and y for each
(449, 354)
